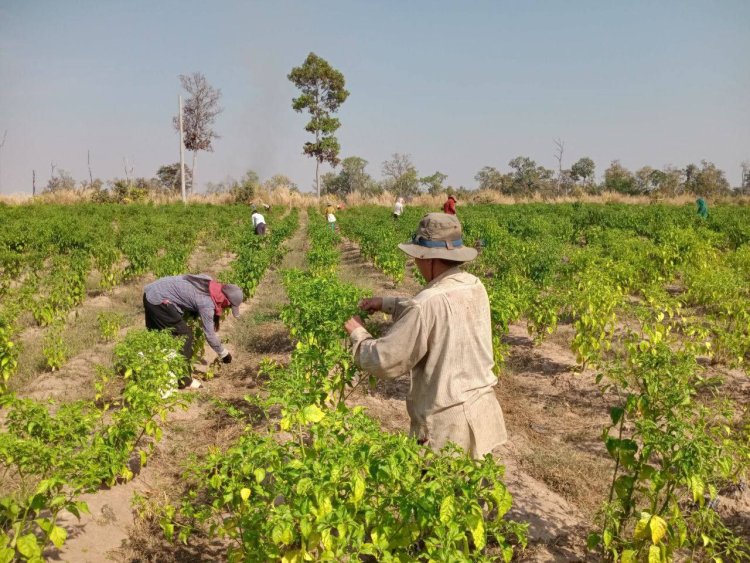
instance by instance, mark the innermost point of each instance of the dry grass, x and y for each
(490, 196)
(283, 196)
(579, 478)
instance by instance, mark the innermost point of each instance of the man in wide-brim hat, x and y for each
(443, 338)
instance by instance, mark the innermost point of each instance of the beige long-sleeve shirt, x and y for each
(443, 337)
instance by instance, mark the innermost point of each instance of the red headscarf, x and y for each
(217, 295)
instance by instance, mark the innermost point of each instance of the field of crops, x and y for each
(621, 338)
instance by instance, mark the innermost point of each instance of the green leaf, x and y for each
(593, 540)
(7, 554)
(628, 556)
(616, 413)
(260, 474)
(503, 499)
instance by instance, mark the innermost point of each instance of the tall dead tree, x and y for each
(199, 114)
(560, 144)
(129, 167)
(88, 161)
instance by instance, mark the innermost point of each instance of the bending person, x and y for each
(168, 300)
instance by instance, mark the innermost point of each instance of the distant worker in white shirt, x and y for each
(442, 337)
(398, 208)
(259, 223)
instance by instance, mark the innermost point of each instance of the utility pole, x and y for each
(182, 156)
(1, 154)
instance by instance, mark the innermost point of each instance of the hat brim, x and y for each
(461, 254)
(236, 311)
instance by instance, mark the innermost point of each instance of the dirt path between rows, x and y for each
(113, 531)
(553, 417)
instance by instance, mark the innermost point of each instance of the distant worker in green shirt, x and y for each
(702, 207)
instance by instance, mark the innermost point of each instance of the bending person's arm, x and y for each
(207, 317)
(397, 352)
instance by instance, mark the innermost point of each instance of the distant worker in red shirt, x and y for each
(449, 206)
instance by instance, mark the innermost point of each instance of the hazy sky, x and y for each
(457, 85)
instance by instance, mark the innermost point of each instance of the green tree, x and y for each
(647, 180)
(323, 92)
(527, 177)
(583, 170)
(169, 177)
(352, 178)
(400, 176)
(709, 180)
(244, 190)
(280, 181)
(490, 178)
(434, 183)
(670, 182)
(619, 179)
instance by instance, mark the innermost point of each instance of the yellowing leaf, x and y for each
(312, 413)
(654, 554)
(641, 527)
(291, 556)
(658, 528)
(447, 509)
(58, 536)
(476, 527)
(245, 494)
(359, 489)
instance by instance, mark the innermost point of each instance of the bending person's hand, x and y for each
(371, 304)
(353, 324)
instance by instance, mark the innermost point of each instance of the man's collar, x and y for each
(441, 277)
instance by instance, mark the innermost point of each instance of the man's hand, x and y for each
(371, 304)
(353, 324)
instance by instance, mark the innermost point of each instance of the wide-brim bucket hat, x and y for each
(439, 235)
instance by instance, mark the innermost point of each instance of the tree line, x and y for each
(322, 92)
(525, 178)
